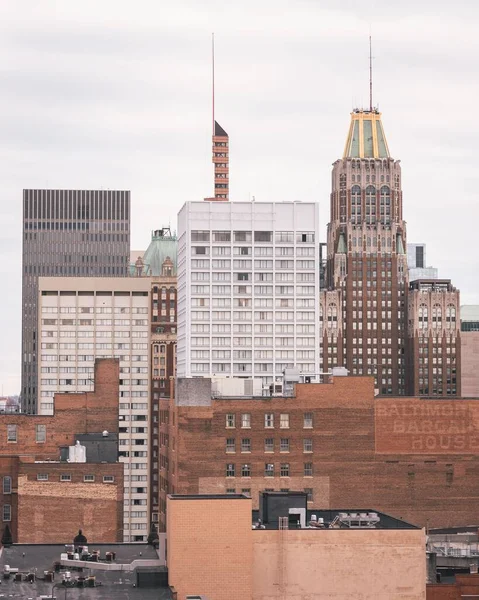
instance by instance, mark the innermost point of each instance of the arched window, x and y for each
(356, 205)
(451, 316)
(422, 316)
(332, 316)
(7, 485)
(436, 316)
(385, 205)
(370, 205)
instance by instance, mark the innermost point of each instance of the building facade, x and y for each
(159, 264)
(47, 498)
(433, 352)
(248, 289)
(81, 320)
(470, 351)
(239, 563)
(67, 233)
(365, 311)
(415, 458)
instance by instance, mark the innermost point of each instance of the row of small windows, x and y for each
(270, 470)
(423, 316)
(270, 445)
(249, 236)
(124, 310)
(65, 477)
(269, 420)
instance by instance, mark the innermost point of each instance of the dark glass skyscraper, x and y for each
(67, 233)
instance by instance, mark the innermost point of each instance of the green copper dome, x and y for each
(163, 245)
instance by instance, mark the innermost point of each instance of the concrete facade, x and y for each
(248, 289)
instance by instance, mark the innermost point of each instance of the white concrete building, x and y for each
(248, 289)
(85, 318)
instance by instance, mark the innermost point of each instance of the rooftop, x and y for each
(345, 518)
(38, 558)
(366, 137)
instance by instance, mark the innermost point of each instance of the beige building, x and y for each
(80, 320)
(213, 551)
(470, 351)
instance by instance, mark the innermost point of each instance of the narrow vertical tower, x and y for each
(220, 146)
(221, 162)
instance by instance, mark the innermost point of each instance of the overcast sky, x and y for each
(117, 94)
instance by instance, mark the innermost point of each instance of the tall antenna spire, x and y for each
(220, 145)
(370, 75)
(213, 77)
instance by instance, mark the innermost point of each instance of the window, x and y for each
(263, 236)
(308, 420)
(7, 485)
(269, 420)
(65, 477)
(108, 479)
(40, 433)
(246, 445)
(230, 470)
(246, 491)
(231, 490)
(230, 420)
(11, 433)
(88, 478)
(230, 445)
(269, 470)
(269, 445)
(42, 476)
(308, 469)
(284, 470)
(309, 491)
(246, 471)
(307, 445)
(7, 512)
(284, 421)
(284, 445)
(246, 420)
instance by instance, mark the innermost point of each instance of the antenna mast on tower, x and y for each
(370, 76)
(213, 77)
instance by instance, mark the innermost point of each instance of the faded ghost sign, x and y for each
(427, 426)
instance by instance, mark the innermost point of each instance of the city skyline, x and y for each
(71, 120)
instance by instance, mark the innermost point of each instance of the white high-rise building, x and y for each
(248, 289)
(85, 318)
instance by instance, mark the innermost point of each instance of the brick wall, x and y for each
(421, 465)
(53, 511)
(210, 548)
(55, 503)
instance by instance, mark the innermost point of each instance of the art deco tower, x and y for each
(364, 303)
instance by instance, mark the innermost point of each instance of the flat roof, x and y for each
(37, 558)
(385, 521)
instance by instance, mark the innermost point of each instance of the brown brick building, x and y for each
(374, 321)
(416, 459)
(45, 498)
